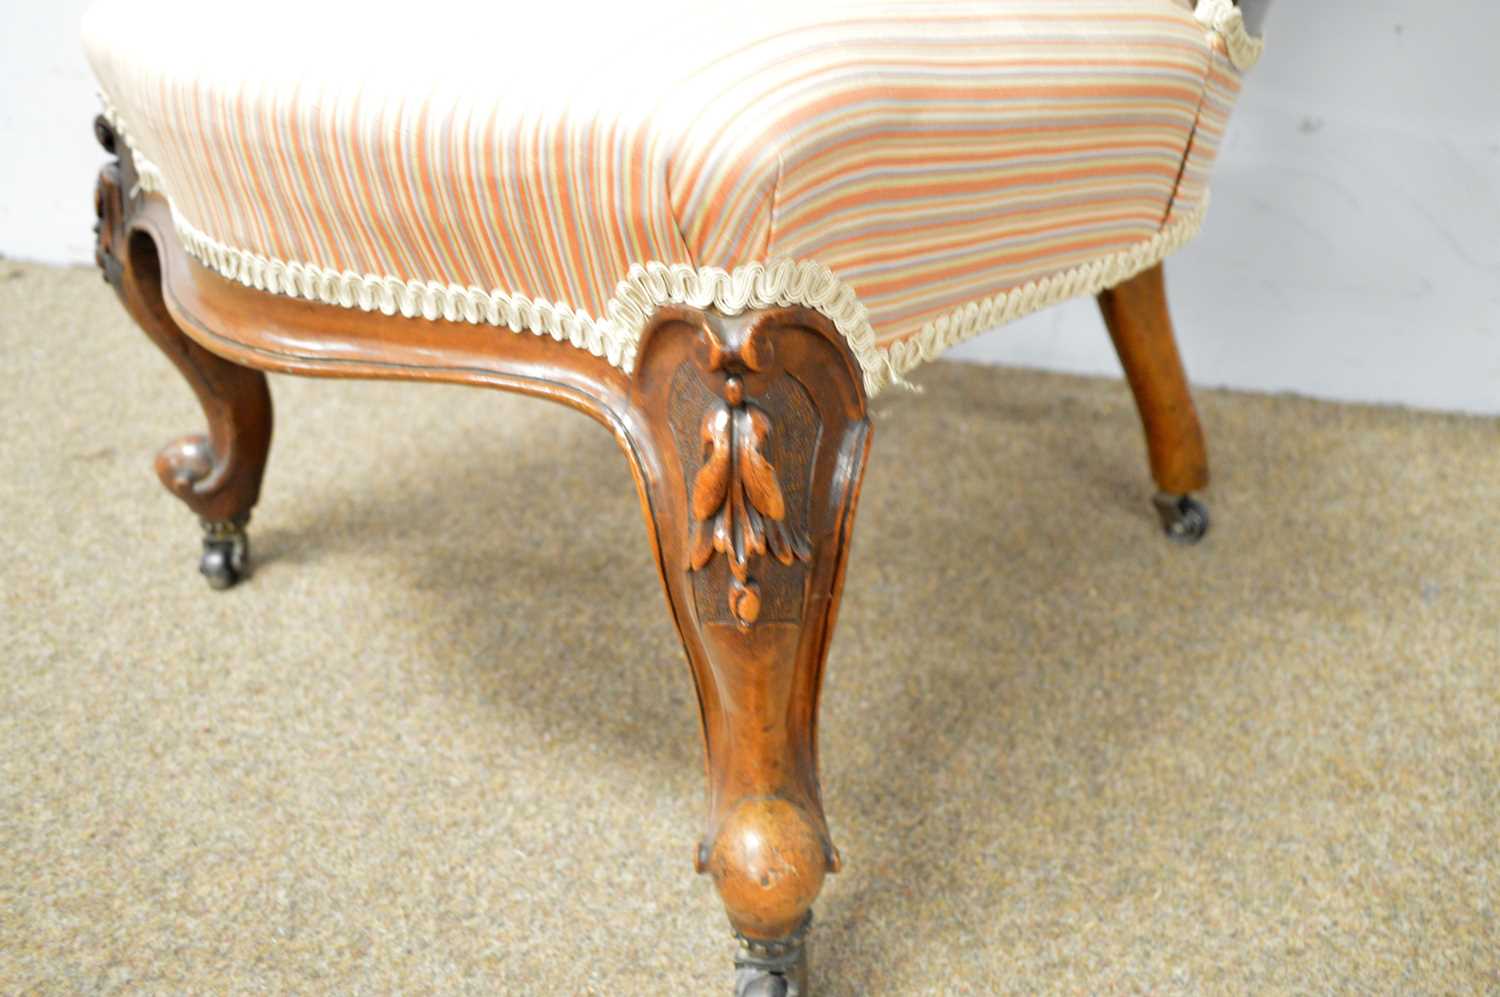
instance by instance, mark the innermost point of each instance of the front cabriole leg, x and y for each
(217, 475)
(750, 433)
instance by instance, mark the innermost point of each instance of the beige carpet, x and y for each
(444, 741)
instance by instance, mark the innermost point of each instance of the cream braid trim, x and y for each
(1224, 18)
(646, 287)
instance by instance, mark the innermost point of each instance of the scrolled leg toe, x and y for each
(768, 862)
(183, 463)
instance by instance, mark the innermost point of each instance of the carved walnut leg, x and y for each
(1141, 327)
(750, 435)
(218, 475)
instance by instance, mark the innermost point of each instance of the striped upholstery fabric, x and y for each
(920, 171)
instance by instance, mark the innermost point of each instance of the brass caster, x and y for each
(226, 552)
(772, 969)
(1183, 518)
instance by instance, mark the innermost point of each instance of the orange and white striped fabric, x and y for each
(920, 171)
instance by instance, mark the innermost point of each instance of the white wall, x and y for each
(1352, 251)
(48, 156)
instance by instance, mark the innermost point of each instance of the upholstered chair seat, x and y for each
(718, 227)
(919, 171)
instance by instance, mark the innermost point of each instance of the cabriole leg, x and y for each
(1141, 327)
(750, 436)
(217, 475)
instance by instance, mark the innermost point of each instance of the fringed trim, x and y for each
(755, 285)
(1225, 19)
(1089, 279)
(646, 287)
(409, 298)
(147, 176)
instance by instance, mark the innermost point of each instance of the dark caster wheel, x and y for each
(1183, 518)
(773, 969)
(226, 553)
(751, 982)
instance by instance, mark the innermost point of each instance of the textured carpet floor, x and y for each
(444, 741)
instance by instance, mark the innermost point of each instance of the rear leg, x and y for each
(1141, 327)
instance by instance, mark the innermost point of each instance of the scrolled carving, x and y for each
(218, 473)
(753, 431)
(738, 508)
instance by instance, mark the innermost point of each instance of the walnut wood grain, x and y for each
(218, 475)
(747, 436)
(1141, 327)
(737, 505)
(785, 378)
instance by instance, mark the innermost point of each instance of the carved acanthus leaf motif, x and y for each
(737, 503)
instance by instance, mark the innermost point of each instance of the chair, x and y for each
(718, 228)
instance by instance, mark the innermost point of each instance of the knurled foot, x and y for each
(226, 552)
(1183, 518)
(772, 969)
